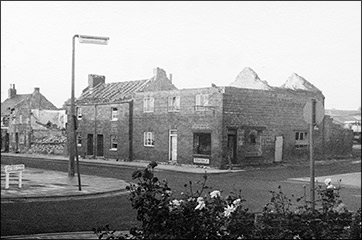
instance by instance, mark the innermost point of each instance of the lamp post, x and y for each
(71, 134)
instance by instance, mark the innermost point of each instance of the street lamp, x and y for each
(71, 134)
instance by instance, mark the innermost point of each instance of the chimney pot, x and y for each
(36, 89)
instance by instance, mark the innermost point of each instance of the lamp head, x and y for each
(93, 39)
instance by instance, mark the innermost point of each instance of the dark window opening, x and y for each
(202, 143)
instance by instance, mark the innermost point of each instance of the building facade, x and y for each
(212, 126)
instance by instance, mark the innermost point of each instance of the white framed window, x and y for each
(148, 104)
(114, 114)
(114, 142)
(79, 140)
(174, 103)
(301, 140)
(149, 140)
(202, 100)
(79, 113)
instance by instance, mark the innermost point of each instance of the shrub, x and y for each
(200, 214)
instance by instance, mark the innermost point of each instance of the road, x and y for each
(83, 215)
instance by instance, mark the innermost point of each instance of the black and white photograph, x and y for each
(181, 120)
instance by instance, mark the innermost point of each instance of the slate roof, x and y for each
(112, 92)
(12, 102)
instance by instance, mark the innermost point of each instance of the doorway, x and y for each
(231, 146)
(90, 144)
(173, 145)
(16, 142)
(278, 148)
(99, 145)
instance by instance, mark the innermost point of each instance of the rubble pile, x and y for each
(49, 145)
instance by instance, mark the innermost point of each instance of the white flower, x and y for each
(200, 199)
(215, 194)
(174, 204)
(228, 210)
(200, 206)
(237, 202)
(327, 181)
(330, 186)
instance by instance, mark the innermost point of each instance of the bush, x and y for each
(201, 215)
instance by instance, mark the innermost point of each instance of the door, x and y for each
(232, 148)
(90, 144)
(173, 145)
(278, 148)
(16, 142)
(99, 145)
(7, 142)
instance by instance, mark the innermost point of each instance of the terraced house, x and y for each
(244, 123)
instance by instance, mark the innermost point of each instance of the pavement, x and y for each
(46, 185)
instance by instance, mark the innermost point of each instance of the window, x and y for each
(174, 104)
(253, 142)
(202, 143)
(114, 114)
(149, 139)
(301, 140)
(21, 118)
(252, 137)
(21, 138)
(79, 140)
(201, 101)
(114, 142)
(148, 103)
(79, 113)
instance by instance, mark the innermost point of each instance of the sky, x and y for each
(199, 43)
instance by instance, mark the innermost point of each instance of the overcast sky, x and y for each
(199, 43)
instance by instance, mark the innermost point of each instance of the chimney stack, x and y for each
(37, 90)
(94, 80)
(12, 91)
(170, 77)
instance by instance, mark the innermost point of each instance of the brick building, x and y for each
(215, 126)
(16, 114)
